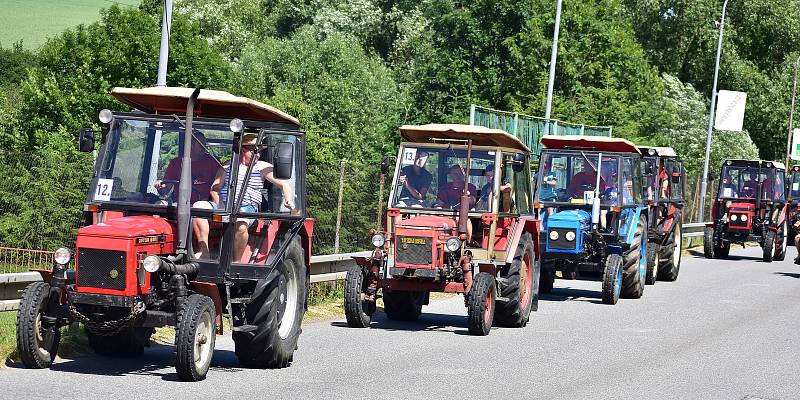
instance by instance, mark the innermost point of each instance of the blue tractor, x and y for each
(594, 219)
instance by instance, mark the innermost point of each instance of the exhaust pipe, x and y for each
(185, 187)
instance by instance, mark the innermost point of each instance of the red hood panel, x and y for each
(139, 225)
(429, 221)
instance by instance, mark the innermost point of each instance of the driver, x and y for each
(450, 193)
(416, 181)
(584, 181)
(204, 169)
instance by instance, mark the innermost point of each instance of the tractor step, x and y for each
(245, 328)
(241, 300)
(501, 298)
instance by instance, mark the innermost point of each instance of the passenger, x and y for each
(252, 193)
(487, 196)
(416, 181)
(549, 182)
(663, 183)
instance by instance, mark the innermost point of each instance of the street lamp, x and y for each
(791, 112)
(551, 79)
(704, 185)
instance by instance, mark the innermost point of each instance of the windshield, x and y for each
(794, 185)
(572, 178)
(434, 178)
(748, 182)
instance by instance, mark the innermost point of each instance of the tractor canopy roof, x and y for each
(210, 103)
(481, 136)
(754, 164)
(590, 143)
(658, 151)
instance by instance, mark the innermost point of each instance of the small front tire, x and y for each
(481, 304)
(36, 346)
(357, 310)
(195, 337)
(612, 279)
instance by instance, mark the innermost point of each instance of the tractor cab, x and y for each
(195, 210)
(750, 206)
(459, 220)
(663, 188)
(793, 200)
(589, 198)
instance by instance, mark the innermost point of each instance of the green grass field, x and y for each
(33, 21)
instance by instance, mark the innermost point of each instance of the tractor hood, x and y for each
(570, 219)
(129, 227)
(429, 221)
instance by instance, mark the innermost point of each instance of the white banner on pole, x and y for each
(730, 111)
(795, 153)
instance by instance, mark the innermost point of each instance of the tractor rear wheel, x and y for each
(547, 277)
(780, 243)
(480, 305)
(519, 286)
(769, 246)
(635, 264)
(612, 278)
(402, 305)
(274, 314)
(653, 250)
(129, 342)
(357, 310)
(708, 242)
(36, 346)
(669, 257)
(195, 336)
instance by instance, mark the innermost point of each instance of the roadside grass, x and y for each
(33, 22)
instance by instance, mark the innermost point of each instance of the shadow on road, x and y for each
(789, 274)
(158, 360)
(431, 322)
(572, 294)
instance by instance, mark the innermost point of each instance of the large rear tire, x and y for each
(195, 336)
(768, 247)
(357, 310)
(402, 305)
(635, 264)
(480, 305)
(612, 279)
(36, 346)
(273, 316)
(519, 286)
(128, 343)
(670, 255)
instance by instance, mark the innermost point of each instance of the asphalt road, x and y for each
(727, 329)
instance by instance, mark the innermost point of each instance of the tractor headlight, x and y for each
(553, 235)
(151, 263)
(570, 236)
(744, 217)
(378, 240)
(734, 217)
(62, 256)
(453, 244)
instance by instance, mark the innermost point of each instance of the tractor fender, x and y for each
(526, 223)
(306, 234)
(628, 231)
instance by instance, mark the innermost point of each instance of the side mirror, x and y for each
(676, 179)
(284, 156)
(385, 165)
(86, 139)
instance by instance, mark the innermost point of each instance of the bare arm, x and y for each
(288, 196)
(215, 187)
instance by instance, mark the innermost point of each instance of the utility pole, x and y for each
(704, 184)
(551, 80)
(791, 112)
(163, 55)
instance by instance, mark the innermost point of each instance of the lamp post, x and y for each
(163, 55)
(791, 112)
(704, 185)
(551, 79)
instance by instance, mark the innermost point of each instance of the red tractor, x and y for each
(164, 244)
(793, 198)
(750, 206)
(460, 220)
(663, 191)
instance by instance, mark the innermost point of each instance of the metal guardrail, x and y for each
(326, 268)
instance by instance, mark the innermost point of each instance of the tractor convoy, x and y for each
(196, 212)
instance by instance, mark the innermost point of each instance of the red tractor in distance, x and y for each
(750, 206)
(460, 220)
(663, 192)
(154, 251)
(793, 198)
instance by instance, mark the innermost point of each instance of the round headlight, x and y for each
(151, 263)
(62, 256)
(734, 217)
(570, 236)
(453, 244)
(744, 217)
(237, 125)
(553, 235)
(378, 240)
(105, 116)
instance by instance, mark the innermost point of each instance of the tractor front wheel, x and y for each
(769, 246)
(653, 251)
(669, 255)
(519, 286)
(780, 242)
(635, 263)
(357, 309)
(195, 336)
(708, 242)
(612, 279)
(480, 305)
(36, 345)
(547, 277)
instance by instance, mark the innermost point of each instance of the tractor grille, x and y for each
(96, 268)
(414, 250)
(562, 243)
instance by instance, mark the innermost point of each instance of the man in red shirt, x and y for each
(450, 193)
(584, 181)
(204, 170)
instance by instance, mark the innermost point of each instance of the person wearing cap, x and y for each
(415, 181)
(251, 192)
(486, 197)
